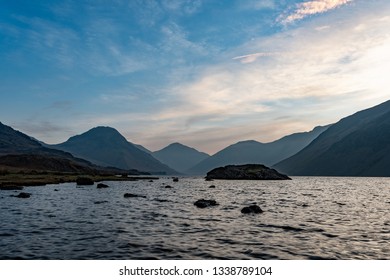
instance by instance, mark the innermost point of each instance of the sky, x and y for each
(205, 73)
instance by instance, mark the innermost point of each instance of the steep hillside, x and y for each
(358, 145)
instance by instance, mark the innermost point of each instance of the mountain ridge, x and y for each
(251, 151)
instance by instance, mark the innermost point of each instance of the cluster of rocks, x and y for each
(204, 203)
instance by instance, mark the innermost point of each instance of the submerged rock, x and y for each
(100, 202)
(102, 186)
(175, 179)
(23, 195)
(246, 172)
(203, 203)
(128, 195)
(253, 209)
(168, 187)
(212, 187)
(84, 181)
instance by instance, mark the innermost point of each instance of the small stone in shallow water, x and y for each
(102, 186)
(168, 187)
(203, 203)
(212, 187)
(128, 195)
(175, 179)
(253, 209)
(100, 202)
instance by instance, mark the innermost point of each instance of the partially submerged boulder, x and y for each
(203, 203)
(246, 172)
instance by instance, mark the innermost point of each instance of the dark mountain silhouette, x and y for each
(179, 156)
(358, 145)
(105, 146)
(20, 151)
(259, 153)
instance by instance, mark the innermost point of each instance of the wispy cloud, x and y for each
(308, 8)
(249, 58)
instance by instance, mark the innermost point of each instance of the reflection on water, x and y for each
(306, 218)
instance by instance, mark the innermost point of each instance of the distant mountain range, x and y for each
(105, 146)
(358, 145)
(246, 152)
(180, 157)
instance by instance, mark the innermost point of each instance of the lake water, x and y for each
(305, 218)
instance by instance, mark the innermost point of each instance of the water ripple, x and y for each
(306, 218)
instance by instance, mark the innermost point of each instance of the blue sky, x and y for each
(203, 73)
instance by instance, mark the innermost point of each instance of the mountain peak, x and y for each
(176, 144)
(102, 134)
(249, 142)
(103, 130)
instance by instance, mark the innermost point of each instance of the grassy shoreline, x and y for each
(11, 180)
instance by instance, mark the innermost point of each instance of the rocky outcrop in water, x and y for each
(246, 172)
(253, 209)
(203, 203)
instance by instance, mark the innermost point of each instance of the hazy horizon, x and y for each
(201, 73)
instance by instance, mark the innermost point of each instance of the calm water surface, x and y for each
(306, 218)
